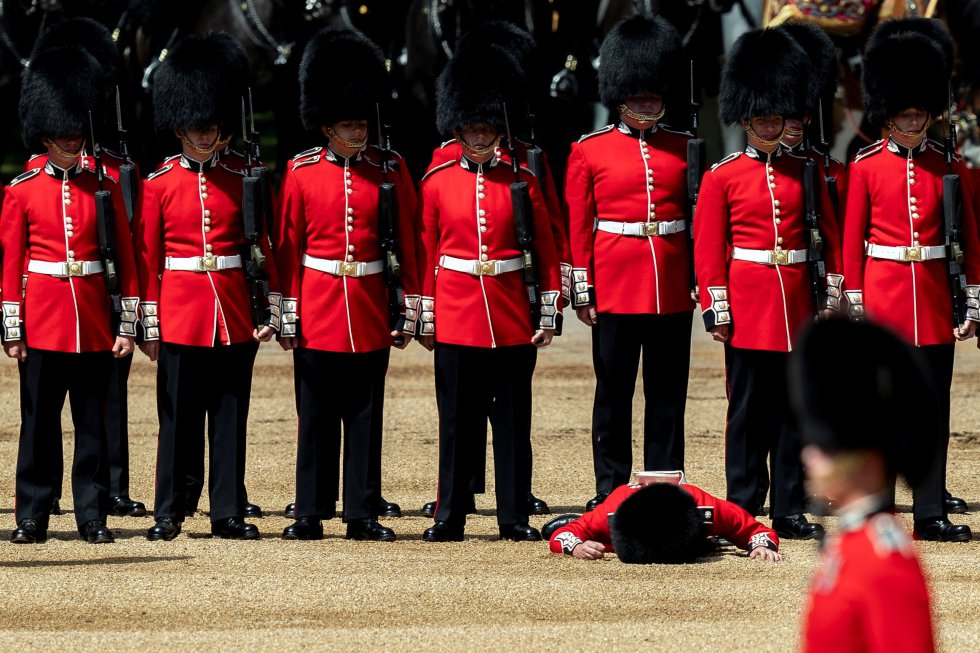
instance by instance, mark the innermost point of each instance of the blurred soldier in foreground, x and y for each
(761, 274)
(200, 321)
(903, 255)
(869, 593)
(660, 523)
(334, 243)
(486, 229)
(626, 193)
(65, 225)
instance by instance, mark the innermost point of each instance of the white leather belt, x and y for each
(65, 269)
(642, 229)
(343, 268)
(203, 263)
(481, 268)
(769, 256)
(905, 254)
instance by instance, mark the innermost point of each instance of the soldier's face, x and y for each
(793, 133)
(911, 120)
(70, 143)
(767, 127)
(478, 136)
(352, 131)
(648, 105)
(202, 138)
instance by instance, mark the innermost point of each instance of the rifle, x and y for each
(520, 199)
(253, 259)
(695, 170)
(387, 219)
(829, 179)
(811, 231)
(127, 171)
(259, 171)
(105, 228)
(953, 219)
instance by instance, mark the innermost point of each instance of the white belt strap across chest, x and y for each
(642, 229)
(481, 268)
(203, 263)
(905, 254)
(770, 256)
(65, 268)
(343, 268)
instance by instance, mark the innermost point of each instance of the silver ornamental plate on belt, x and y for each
(912, 254)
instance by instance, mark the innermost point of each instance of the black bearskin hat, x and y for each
(659, 523)
(822, 71)
(61, 86)
(342, 77)
(201, 83)
(474, 87)
(765, 75)
(907, 64)
(85, 34)
(640, 56)
(963, 19)
(852, 384)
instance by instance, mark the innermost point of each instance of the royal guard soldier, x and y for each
(476, 311)
(626, 196)
(869, 593)
(79, 305)
(332, 255)
(95, 39)
(809, 123)
(520, 45)
(648, 523)
(895, 259)
(205, 314)
(759, 282)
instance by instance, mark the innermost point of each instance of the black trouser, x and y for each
(117, 431)
(46, 377)
(472, 383)
(761, 425)
(194, 383)
(339, 389)
(617, 341)
(928, 494)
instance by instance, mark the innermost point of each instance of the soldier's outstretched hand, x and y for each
(763, 553)
(151, 349)
(15, 349)
(264, 334)
(589, 550)
(124, 346)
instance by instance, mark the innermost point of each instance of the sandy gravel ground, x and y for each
(201, 593)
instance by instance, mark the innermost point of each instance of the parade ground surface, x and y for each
(203, 593)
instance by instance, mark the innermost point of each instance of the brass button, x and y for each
(207, 213)
(207, 230)
(481, 196)
(482, 212)
(350, 248)
(350, 211)
(484, 248)
(204, 196)
(483, 229)
(484, 257)
(349, 258)
(350, 191)
(780, 240)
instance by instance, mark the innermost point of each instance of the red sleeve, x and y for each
(856, 215)
(290, 239)
(549, 270)
(407, 233)
(970, 238)
(428, 223)
(593, 525)
(129, 277)
(558, 227)
(581, 208)
(13, 243)
(711, 250)
(897, 615)
(733, 523)
(148, 254)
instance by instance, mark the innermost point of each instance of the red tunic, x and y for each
(329, 210)
(754, 201)
(730, 522)
(620, 174)
(466, 212)
(895, 199)
(837, 170)
(869, 594)
(192, 211)
(451, 151)
(111, 162)
(49, 216)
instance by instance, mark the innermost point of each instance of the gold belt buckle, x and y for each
(651, 228)
(209, 263)
(74, 269)
(348, 269)
(913, 253)
(486, 268)
(779, 257)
